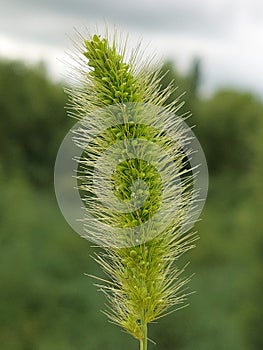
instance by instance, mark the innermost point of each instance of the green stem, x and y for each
(143, 341)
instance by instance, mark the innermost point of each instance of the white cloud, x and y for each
(225, 34)
(34, 53)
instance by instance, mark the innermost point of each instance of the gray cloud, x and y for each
(46, 20)
(225, 34)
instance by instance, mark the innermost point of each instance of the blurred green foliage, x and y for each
(32, 121)
(47, 303)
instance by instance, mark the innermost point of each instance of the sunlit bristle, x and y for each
(144, 282)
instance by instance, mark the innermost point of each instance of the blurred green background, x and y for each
(46, 301)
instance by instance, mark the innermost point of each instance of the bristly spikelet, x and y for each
(113, 81)
(144, 281)
(104, 78)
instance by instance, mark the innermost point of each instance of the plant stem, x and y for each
(143, 341)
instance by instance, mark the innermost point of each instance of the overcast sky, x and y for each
(226, 34)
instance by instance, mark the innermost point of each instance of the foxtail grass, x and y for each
(142, 279)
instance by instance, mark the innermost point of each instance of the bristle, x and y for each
(120, 102)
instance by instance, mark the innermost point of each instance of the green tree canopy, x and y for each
(32, 120)
(228, 128)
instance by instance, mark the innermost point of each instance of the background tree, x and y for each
(32, 121)
(227, 124)
(46, 303)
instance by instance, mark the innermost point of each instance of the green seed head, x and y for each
(144, 282)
